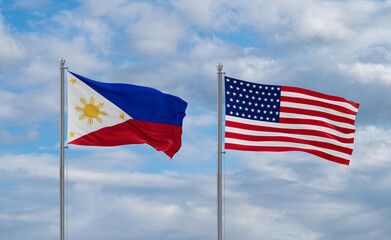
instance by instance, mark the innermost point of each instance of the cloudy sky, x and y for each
(133, 192)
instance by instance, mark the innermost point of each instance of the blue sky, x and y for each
(339, 48)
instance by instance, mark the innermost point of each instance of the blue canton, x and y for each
(252, 100)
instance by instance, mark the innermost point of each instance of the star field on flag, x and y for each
(252, 101)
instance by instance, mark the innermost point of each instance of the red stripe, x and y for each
(316, 123)
(317, 94)
(286, 149)
(163, 137)
(317, 103)
(317, 114)
(289, 131)
(288, 139)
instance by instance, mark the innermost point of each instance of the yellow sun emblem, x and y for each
(91, 111)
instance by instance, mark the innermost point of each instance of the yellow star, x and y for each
(122, 115)
(73, 81)
(71, 134)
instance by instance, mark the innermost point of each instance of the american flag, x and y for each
(261, 117)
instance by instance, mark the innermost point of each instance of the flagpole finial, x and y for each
(62, 61)
(219, 67)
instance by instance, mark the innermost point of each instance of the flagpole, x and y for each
(219, 152)
(62, 70)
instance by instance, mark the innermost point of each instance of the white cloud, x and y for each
(204, 120)
(9, 138)
(151, 29)
(282, 199)
(96, 33)
(43, 216)
(371, 148)
(292, 167)
(198, 145)
(371, 151)
(367, 72)
(314, 21)
(183, 202)
(27, 108)
(26, 4)
(350, 24)
(29, 166)
(11, 49)
(136, 179)
(256, 222)
(209, 15)
(48, 50)
(160, 216)
(37, 81)
(203, 14)
(100, 169)
(156, 33)
(252, 68)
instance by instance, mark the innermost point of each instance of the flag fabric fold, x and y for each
(275, 118)
(113, 114)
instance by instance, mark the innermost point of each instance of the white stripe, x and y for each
(286, 144)
(316, 108)
(289, 126)
(305, 96)
(302, 116)
(277, 134)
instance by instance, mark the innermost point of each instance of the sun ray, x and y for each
(100, 105)
(79, 109)
(99, 119)
(83, 101)
(90, 121)
(92, 100)
(104, 113)
(81, 117)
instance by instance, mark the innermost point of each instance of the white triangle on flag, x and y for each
(89, 111)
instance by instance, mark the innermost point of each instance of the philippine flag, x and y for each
(112, 114)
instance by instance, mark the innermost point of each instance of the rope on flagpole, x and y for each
(66, 187)
(224, 175)
(224, 196)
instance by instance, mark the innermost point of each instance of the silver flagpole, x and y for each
(62, 68)
(219, 152)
